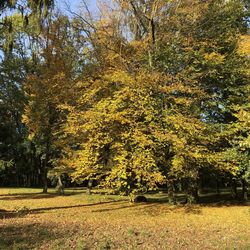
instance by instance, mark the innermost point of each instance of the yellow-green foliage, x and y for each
(114, 122)
(127, 136)
(137, 121)
(156, 98)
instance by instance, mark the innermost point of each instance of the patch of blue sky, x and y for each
(76, 5)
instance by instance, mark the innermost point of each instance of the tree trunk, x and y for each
(171, 196)
(44, 180)
(244, 190)
(200, 187)
(44, 173)
(45, 168)
(234, 189)
(17, 177)
(192, 192)
(152, 47)
(90, 185)
(217, 187)
(60, 186)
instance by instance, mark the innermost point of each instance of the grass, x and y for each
(32, 220)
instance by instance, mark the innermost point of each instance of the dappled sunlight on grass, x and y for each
(80, 221)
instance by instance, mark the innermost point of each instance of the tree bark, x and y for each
(60, 186)
(171, 196)
(234, 189)
(192, 192)
(17, 177)
(44, 173)
(44, 180)
(244, 190)
(90, 185)
(45, 167)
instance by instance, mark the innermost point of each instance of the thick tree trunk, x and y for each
(192, 192)
(60, 186)
(171, 196)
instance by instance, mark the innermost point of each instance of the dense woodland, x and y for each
(146, 94)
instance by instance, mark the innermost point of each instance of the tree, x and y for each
(127, 127)
(30, 11)
(14, 68)
(47, 88)
(25, 7)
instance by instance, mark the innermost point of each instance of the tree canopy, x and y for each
(147, 94)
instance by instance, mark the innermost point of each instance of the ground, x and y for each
(31, 220)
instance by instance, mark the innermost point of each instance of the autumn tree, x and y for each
(127, 126)
(47, 88)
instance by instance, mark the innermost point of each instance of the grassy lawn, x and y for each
(31, 220)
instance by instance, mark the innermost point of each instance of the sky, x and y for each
(74, 4)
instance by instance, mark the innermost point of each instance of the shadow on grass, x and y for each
(209, 199)
(26, 236)
(192, 210)
(16, 194)
(4, 214)
(27, 196)
(36, 210)
(220, 199)
(129, 205)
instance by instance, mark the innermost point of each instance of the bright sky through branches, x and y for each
(75, 4)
